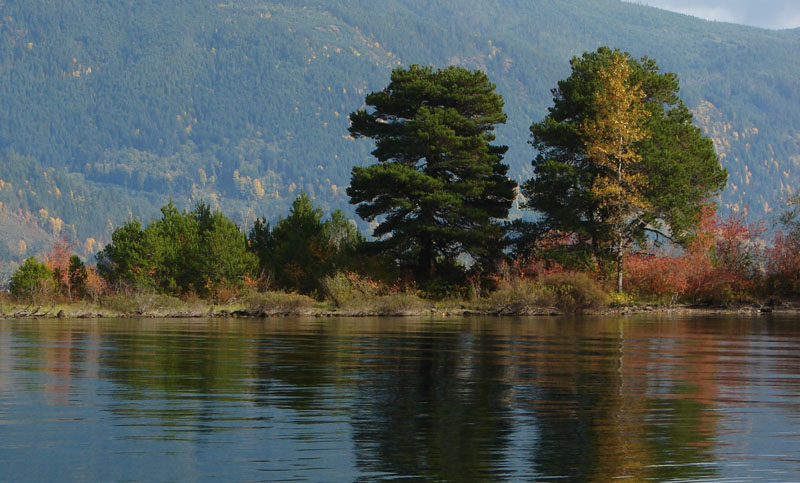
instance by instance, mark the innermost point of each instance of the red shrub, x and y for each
(657, 275)
(783, 262)
(722, 261)
(57, 260)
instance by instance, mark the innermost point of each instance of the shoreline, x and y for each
(82, 311)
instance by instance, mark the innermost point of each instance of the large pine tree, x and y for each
(619, 156)
(440, 187)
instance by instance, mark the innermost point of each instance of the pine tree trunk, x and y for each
(425, 259)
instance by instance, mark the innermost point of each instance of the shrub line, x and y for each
(81, 311)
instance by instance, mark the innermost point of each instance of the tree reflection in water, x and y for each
(584, 399)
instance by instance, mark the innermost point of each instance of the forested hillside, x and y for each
(107, 109)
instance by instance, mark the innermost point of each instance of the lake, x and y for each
(326, 399)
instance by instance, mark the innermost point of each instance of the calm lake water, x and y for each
(661, 398)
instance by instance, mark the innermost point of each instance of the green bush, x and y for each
(197, 251)
(32, 281)
(348, 290)
(619, 299)
(141, 303)
(574, 291)
(6, 303)
(398, 304)
(278, 303)
(519, 296)
(360, 295)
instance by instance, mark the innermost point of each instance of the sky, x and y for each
(772, 14)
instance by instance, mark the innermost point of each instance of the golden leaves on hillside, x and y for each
(252, 187)
(258, 188)
(56, 224)
(80, 69)
(90, 245)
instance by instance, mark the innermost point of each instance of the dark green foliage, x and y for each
(31, 280)
(223, 257)
(176, 238)
(302, 248)
(128, 259)
(262, 244)
(300, 253)
(345, 240)
(78, 277)
(440, 187)
(530, 240)
(179, 253)
(790, 217)
(203, 98)
(680, 167)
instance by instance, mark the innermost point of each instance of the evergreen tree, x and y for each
(177, 245)
(31, 280)
(78, 277)
(344, 239)
(790, 217)
(130, 257)
(439, 187)
(619, 157)
(301, 252)
(223, 257)
(180, 252)
(302, 248)
(262, 244)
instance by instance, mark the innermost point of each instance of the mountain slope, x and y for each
(245, 103)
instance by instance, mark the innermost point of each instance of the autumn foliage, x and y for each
(783, 263)
(665, 276)
(57, 260)
(721, 263)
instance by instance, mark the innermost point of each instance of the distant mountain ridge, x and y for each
(107, 109)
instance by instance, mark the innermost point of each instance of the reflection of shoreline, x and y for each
(587, 398)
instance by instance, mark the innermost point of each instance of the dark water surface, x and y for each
(661, 398)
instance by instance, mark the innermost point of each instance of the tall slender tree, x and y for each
(439, 187)
(611, 136)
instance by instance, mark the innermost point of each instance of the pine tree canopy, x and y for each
(439, 188)
(619, 156)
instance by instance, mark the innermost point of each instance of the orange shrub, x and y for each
(664, 276)
(96, 286)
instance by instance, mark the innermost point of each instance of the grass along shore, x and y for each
(275, 304)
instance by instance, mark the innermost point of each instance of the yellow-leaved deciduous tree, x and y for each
(56, 224)
(610, 136)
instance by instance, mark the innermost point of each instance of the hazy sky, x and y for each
(774, 14)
